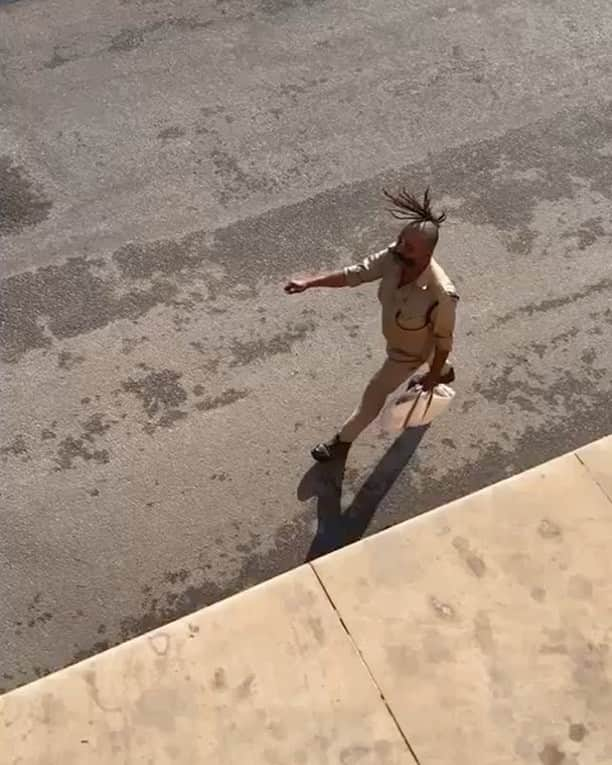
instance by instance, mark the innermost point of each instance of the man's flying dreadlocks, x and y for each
(416, 214)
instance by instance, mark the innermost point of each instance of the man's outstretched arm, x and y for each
(368, 270)
(333, 279)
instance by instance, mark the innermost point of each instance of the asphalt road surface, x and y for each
(164, 167)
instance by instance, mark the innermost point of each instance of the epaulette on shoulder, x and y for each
(442, 281)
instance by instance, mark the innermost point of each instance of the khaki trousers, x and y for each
(389, 377)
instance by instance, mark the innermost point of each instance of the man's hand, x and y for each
(296, 285)
(429, 381)
(434, 376)
(333, 279)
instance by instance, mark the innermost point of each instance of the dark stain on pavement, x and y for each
(129, 344)
(157, 391)
(133, 37)
(235, 179)
(67, 360)
(355, 754)
(95, 426)
(577, 732)
(442, 610)
(167, 420)
(511, 197)
(37, 613)
(22, 204)
(171, 133)
(163, 257)
(316, 627)
(219, 679)
(508, 385)
(483, 632)
(590, 673)
(588, 356)
(229, 396)
(246, 352)
(538, 594)
(587, 233)
(161, 394)
(472, 560)
(274, 7)
(549, 529)
(245, 689)
(554, 342)
(72, 448)
(553, 304)
(98, 647)
(551, 755)
(518, 380)
(60, 57)
(194, 590)
(41, 618)
(16, 448)
(172, 577)
(66, 301)
(295, 89)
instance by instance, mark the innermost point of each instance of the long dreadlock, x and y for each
(407, 207)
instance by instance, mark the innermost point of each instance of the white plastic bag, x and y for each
(412, 407)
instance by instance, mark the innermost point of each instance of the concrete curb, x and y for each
(479, 632)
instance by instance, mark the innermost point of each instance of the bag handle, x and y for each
(431, 395)
(412, 408)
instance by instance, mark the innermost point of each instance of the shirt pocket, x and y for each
(415, 319)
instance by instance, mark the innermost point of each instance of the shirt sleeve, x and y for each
(369, 270)
(444, 323)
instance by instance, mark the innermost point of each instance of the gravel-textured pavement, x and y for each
(164, 167)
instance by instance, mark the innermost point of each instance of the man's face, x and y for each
(414, 250)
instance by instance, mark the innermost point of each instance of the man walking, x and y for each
(418, 312)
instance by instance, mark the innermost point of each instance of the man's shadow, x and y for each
(324, 481)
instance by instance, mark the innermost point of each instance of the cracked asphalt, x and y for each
(164, 167)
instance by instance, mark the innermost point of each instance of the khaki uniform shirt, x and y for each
(416, 318)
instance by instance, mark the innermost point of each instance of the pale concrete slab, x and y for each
(597, 457)
(488, 623)
(269, 676)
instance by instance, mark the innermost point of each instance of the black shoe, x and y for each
(329, 450)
